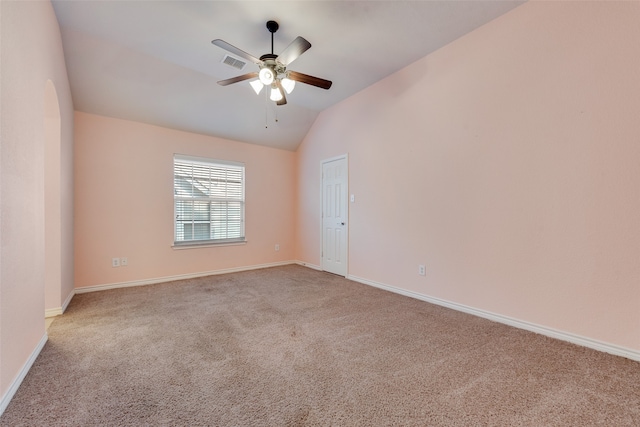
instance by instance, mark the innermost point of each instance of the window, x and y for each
(208, 201)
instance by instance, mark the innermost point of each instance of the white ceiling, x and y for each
(153, 61)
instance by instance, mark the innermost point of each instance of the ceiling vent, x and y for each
(233, 62)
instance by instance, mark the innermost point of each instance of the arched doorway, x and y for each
(52, 203)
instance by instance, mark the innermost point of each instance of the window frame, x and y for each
(213, 164)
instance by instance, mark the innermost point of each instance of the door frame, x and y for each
(346, 231)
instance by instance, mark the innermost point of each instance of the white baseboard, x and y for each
(53, 312)
(532, 327)
(23, 373)
(306, 264)
(66, 302)
(96, 288)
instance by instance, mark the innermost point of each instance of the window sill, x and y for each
(207, 245)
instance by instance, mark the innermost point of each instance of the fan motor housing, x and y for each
(269, 60)
(268, 56)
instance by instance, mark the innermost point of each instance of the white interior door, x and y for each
(334, 215)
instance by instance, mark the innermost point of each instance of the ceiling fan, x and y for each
(273, 68)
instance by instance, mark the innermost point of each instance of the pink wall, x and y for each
(52, 202)
(508, 163)
(31, 55)
(507, 160)
(124, 202)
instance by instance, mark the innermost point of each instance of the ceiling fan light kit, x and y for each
(266, 76)
(257, 86)
(273, 68)
(275, 94)
(288, 84)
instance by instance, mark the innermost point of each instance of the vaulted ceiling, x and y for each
(153, 61)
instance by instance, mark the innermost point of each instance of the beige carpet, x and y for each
(290, 346)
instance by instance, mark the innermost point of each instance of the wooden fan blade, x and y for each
(310, 80)
(238, 79)
(294, 50)
(283, 101)
(230, 48)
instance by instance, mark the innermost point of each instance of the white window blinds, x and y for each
(208, 201)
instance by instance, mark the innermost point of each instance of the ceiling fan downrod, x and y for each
(272, 26)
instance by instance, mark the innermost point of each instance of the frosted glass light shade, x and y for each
(275, 94)
(266, 76)
(257, 86)
(288, 84)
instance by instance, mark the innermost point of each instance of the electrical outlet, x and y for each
(277, 247)
(124, 261)
(422, 270)
(115, 262)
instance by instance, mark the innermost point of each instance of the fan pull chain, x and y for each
(266, 110)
